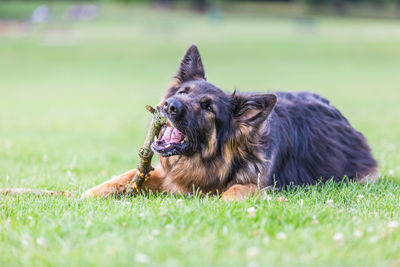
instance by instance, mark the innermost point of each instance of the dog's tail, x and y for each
(30, 191)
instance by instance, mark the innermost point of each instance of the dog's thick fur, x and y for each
(237, 143)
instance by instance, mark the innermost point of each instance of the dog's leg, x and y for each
(239, 192)
(117, 185)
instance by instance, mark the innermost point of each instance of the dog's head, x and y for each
(203, 118)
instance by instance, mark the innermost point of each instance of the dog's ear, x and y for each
(191, 66)
(252, 109)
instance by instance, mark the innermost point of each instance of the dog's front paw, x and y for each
(113, 187)
(106, 189)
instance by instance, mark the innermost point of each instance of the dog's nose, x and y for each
(173, 107)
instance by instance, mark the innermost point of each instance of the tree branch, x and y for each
(29, 191)
(145, 153)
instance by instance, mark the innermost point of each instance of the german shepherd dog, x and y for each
(235, 143)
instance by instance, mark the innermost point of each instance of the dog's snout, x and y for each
(173, 107)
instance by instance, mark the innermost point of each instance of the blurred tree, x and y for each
(200, 5)
(339, 6)
(164, 3)
(398, 9)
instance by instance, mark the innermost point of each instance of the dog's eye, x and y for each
(184, 91)
(208, 107)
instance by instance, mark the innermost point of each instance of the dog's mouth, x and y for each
(170, 142)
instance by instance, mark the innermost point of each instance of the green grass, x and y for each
(71, 116)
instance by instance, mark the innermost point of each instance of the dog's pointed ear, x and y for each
(191, 66)
(252, 109)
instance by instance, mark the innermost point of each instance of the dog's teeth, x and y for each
(183, 141)
(167, 146)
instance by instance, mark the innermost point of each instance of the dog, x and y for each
(236, 143)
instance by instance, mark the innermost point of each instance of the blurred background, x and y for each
(75, 76)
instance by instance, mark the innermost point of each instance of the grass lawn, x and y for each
(71, 116)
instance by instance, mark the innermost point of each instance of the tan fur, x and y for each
(191, 174)
(211, 146)
(239, 192)
(117, 185)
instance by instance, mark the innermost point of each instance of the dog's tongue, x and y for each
(172, 135)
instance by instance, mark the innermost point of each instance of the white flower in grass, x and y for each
(339, 238)
(282, 199)
(301, 203)
(252, 252)
(391, 173)
(169, 227)
(373, 239)
(41, 241)
(252, 212)
(315, 220)
(358, 233)
(329, 201)
(252, 264)
(393, 224)
(266, 196)
(155, 232)
(225, 230)
(142, 258)
(7, 144)
(281, 235)
(25, 239)
(266, 240)
(179, 202)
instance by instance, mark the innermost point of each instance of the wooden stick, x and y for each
(145, 153)
(29, 191)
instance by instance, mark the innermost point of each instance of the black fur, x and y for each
(313, 141)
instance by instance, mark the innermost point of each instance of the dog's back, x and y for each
(313, 141)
